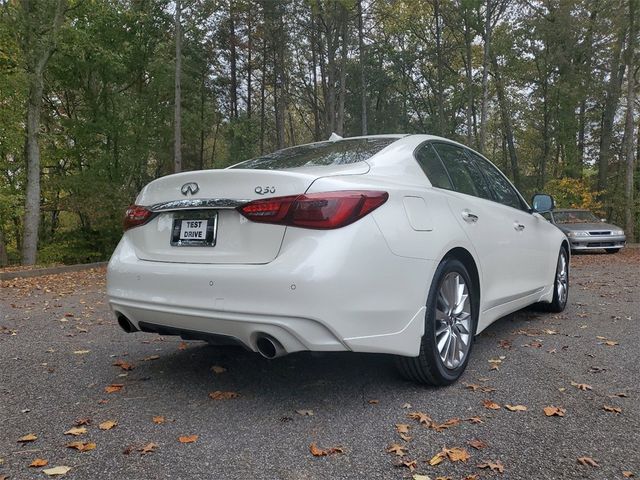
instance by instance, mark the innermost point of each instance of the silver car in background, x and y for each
(585, 231)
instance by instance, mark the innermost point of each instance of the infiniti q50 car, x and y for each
(400, 244)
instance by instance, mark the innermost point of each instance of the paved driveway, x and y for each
(58, 344)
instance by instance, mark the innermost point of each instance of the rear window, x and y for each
(342, 152)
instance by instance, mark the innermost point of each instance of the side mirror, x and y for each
(542, 203)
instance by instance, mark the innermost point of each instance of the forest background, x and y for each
(98, 97)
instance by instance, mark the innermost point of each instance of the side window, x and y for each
(547, 216)
(433, 168)
(464, 174)
(503, 190)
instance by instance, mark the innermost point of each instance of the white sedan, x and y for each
(401, 244)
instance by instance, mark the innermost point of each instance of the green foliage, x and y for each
(573, 193)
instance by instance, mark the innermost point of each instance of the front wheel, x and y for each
(560, 284)
(450, 324)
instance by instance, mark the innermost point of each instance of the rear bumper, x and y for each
(597, 243)
(344, 292)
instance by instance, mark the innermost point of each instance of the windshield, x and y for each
(342, 152)
(576, 216)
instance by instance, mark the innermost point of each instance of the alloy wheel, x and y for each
(453, 320)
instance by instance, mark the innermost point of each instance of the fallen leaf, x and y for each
(477, 444)
(619, 395)
(399, 450)
(496, 466)
(188, 438)
(123, 365)
(75, 431)
(61, 470)
(627, 474)
(615, 410)
(151, 357)
(82, 446)
(421, 417)
(82, 421)
(506, 344)
(581, 386)
(420, 477)
(406, 405)
(437, 458)
(550, 332)
(471, 477)
(39, 462)
(491, 405)
(554, 411)
(457, 454)
(305, 413)
(159, 420)
(410, 464)
(217, 369)
(402, 428)
(218, 395)
(148, 448)
(373, 402)
(516, 408)
(320, 452)
(81, 352)
(108, 425)
(588, 461)
(481, 388)
(441, 427)
(114, 387)
(27, 438)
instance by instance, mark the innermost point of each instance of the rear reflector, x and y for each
(136, 215)
(325, 210)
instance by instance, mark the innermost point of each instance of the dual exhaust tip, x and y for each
(266, 345)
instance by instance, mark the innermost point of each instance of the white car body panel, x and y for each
(362, 287)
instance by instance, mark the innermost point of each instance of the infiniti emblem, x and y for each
(190, 188)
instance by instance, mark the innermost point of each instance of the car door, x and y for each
(489, 229)
(531, 242)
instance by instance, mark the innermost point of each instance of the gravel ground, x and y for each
(58, 343)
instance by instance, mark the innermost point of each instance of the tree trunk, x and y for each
(614, 87)
(177, 119)
(314, 66)
(485, 77)
(468, 39)
(233, 61)
(363, 78)
(263, 82)
(505, 112)
(38, 51)
(629, 127)
(439, 130)
(249, 60)
(343, 72)
(4, 260)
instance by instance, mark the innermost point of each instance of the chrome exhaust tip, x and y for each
(269, 347)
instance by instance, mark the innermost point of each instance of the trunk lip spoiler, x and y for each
(195, 203)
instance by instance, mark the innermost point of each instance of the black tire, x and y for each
(612, 250)
(559, 301)
(428, 367)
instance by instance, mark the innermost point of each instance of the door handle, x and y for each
(518, 226)
(469, 217)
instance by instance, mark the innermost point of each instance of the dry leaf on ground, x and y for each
(82, 421)
(159, 420)
(516, 408)
(477, 444)
(82, 446)
(75, 431)
(553, 411)
(608, 408)
(219, 395)
(581, 386)
(628, 474)
(217, 369)
(441, 427)
(148, 448)
(188, 438)
(151, 357)
(123, 365)
(39, 462)
(588, 461)
(437, 458)
(56, 471)
(28, 438)
(323, 452)
(421, 417)
(305, 413)
(399, 450)
(496, 466)
(457, 454)
(108, 425)
(114, 387)
(491, 405)
(410, 464)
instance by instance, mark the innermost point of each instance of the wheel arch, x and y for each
(466, 258)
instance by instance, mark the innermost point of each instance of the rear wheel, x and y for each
(450, 324)
(612, 250)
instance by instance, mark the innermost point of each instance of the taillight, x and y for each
(136, 215)
(325, 210)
